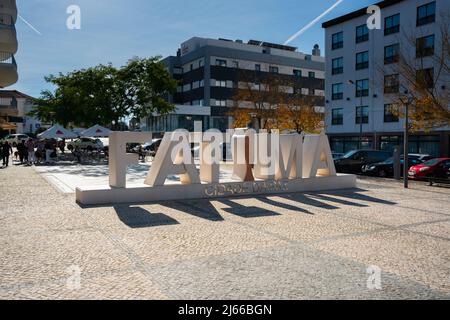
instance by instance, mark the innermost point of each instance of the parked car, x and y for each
(15, 139)
(437, 168)
(337, 155)
(150, 148)
(421, 157)
(353, 161)
(386, 168)
(88, 144)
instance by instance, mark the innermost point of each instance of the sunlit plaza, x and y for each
(221, 152)
(324, 245)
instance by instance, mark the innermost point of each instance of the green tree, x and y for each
(105, 95)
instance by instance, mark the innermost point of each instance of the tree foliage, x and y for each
(426, 92)
(275, 102)
(104, 94)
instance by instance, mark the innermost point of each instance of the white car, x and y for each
(15, 139)
(86, 144)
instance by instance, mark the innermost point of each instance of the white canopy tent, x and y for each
(57, 131)
(96, 131)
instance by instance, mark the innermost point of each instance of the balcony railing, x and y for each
(6, 20)
(7, 58)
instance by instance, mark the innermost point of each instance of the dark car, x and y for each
(386, 168)
(353, 161)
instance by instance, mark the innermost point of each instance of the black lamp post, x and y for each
(407, 100)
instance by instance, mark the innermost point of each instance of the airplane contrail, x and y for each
(29, 24)
(312, 23)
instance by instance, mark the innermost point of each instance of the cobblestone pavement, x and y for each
(295, 246)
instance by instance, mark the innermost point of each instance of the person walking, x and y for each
(31, 152)
(21, 148)
(6, 151)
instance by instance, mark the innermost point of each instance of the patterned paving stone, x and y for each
(293, 246)
(412, 255)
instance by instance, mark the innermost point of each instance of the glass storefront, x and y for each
(427, 144)
(172, 122)
(346, 144)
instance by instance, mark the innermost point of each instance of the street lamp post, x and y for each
(406, 148)
(360, 113)
(407, 101)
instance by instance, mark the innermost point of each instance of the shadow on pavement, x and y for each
(137, 217)
(244, 211)
(198, 208)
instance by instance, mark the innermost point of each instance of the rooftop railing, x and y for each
(7, 58)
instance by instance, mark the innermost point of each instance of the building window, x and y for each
(273, 69)
(425, 78)
(392, 24)
(337, 117)
(221, 83)
(391, 53)
(177, 70)
(221, 103)
(201, 63)
(426, 13)
(202, 83)
(311, 74)
(221, 63)
(235, 64)
(425, 46)
(337, 66)
(337, 91)
(257, 67)
(389, 115)
(362, 114)
(362, 33)
(297, 72)
(362, 60)
(391, 83)
(337, 40)
(362, 88)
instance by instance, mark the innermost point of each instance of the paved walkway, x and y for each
(297, 246)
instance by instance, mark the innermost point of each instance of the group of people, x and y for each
(30, 152)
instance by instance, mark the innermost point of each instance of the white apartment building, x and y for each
(14, 109)
(361, 77)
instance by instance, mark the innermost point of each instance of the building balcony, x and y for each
(8, 36)
(9, 7)
(8, 111)
(8, 69)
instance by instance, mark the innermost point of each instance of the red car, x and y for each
(433, 168)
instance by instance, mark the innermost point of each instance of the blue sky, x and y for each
(116, 30)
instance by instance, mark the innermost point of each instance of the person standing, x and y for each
(31, 152)
(6, 151)
(48, 150)
(21, 148)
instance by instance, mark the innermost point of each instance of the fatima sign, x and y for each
(262, 163)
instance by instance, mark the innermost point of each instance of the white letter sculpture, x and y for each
(119, 159)
(173, 158)
(317, 161)
(210, 156)
(290, 164)
(297, 163)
